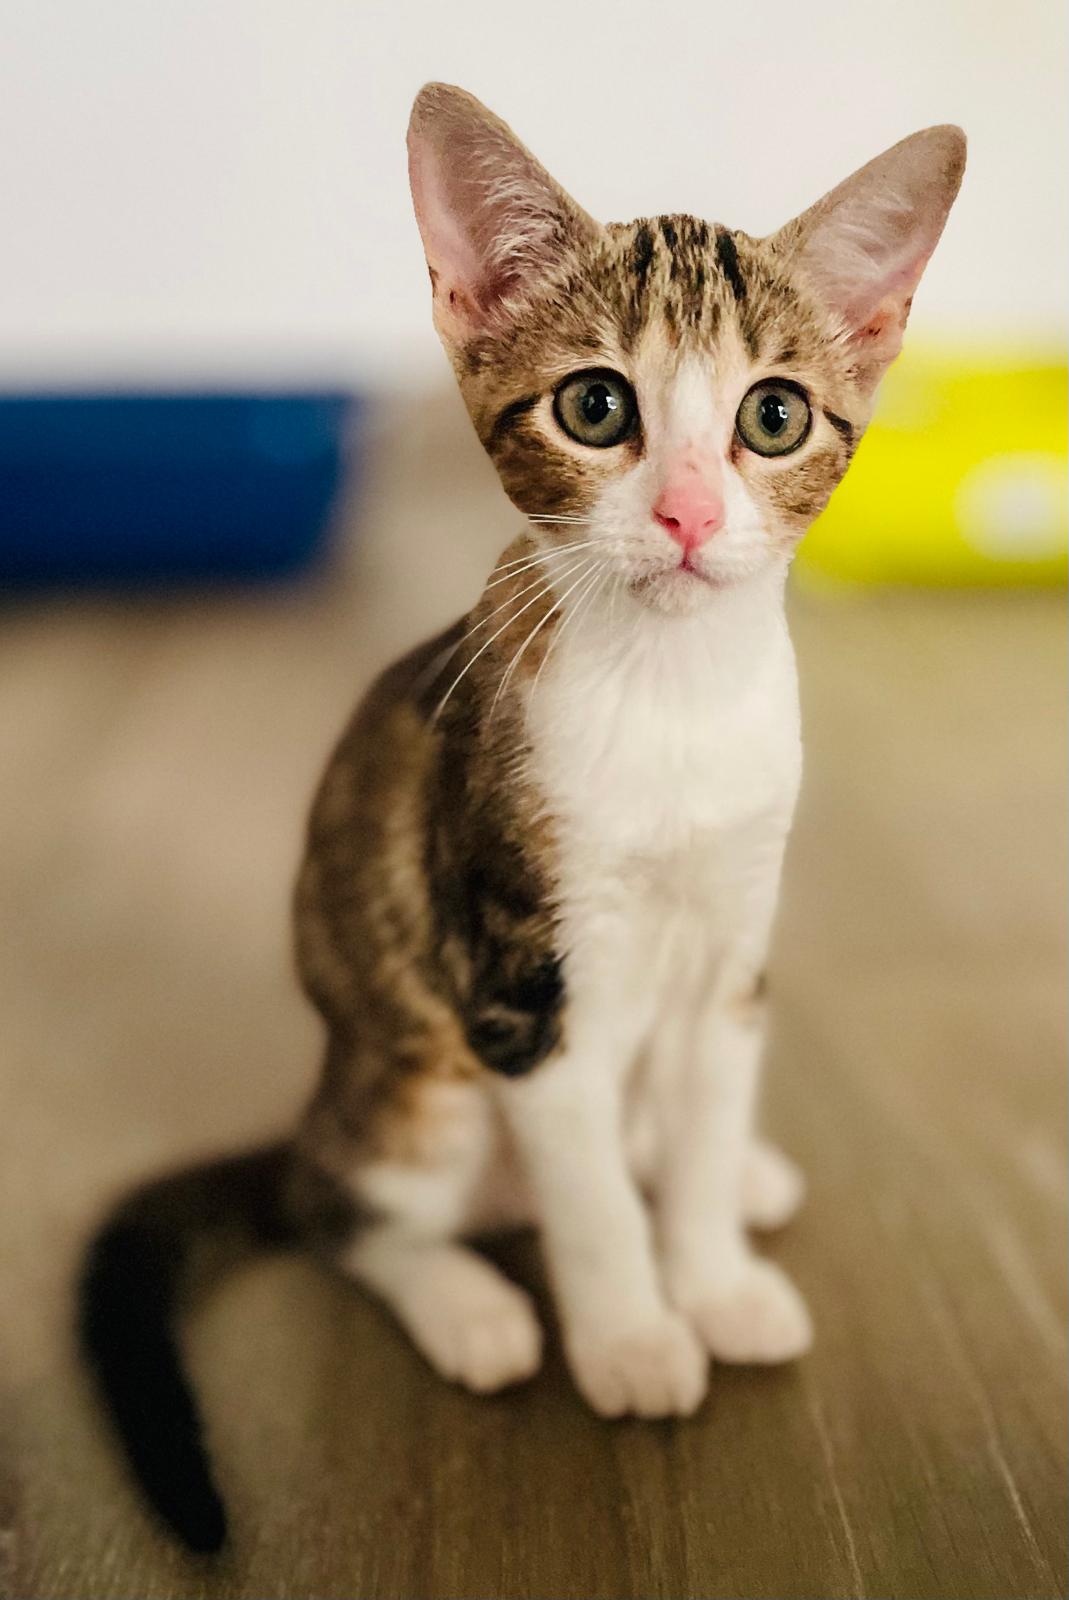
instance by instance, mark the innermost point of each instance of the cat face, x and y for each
(685, 396)
(680, 394)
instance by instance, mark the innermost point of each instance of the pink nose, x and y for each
(690, 513)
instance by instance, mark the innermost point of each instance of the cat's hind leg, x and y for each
(773, 1187)
(472, 1325)
(445, 1173)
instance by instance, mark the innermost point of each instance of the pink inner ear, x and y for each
(881, 335)
(866, 243)
(886, 300)
(484, 207)
(491, 217)
(451, 256)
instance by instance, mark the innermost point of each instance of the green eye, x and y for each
(596, 408)
(774, 418)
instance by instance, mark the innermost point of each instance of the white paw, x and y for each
(656, 1370)
(486, 1340)
(758, 1316)
(773, 1188)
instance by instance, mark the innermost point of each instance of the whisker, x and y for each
(507, 674)
(582, 520)
(591, 596)
(522, 564)
(490, 615)
(587, 601)
(497, 632)
(556, 637)
(533, 561)
(614, 595)
(554, 550)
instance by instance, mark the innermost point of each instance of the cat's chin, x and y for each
(679, 591)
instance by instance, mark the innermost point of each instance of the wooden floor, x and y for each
(156, 757)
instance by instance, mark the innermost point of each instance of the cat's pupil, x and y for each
(597, 403)
(773, 414)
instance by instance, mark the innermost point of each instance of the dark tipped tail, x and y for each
(159, 1248)
(128, 1303)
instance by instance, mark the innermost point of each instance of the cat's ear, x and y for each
(864, 245)
(492, 219)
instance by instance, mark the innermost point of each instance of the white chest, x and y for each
(670, 762)
(667, 751)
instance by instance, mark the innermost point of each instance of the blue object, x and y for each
(150, 488)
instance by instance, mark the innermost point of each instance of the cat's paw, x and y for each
(656, 1370)
(756, 1316)
(773, 1187)
(484, 1341)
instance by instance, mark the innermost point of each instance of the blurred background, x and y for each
(206, 197)
(235, 479)
(214, 197)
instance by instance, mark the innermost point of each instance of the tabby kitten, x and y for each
(543, 863)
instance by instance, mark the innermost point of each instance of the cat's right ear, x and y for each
(865, 245)
(492, 219)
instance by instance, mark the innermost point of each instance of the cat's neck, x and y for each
(648, 731)
(735, 639)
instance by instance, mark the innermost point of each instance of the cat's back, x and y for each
(361, 894)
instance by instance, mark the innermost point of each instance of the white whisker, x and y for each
(587, 602)
(517, 559)
(497, 632)
(507, 674)
(556, 637)
(490, 615)
(556, 549)
(591, 596)
(532, 561)
(613, 596)
(583, 521)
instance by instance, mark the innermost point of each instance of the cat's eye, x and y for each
(774, 418)
(596, 408)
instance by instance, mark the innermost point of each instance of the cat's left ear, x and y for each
(865, 245)
(492, 219)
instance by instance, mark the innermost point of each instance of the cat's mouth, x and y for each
(668, 587)
(687, 566)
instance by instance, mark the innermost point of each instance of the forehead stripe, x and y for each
(727, 258)
(676, 255)
(642, 253)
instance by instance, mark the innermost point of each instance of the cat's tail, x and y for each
(159, 1247)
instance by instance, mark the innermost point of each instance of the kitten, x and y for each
(543, 863)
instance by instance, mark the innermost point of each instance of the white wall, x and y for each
(214, 187)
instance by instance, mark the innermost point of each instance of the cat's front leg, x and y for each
(744, 1308)
(628, 1350)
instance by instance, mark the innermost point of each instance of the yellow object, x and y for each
(961, 478)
